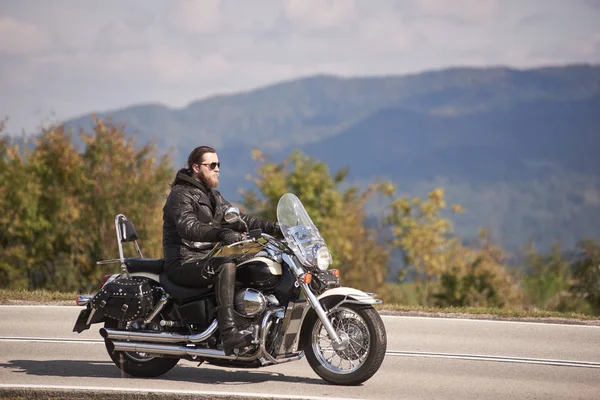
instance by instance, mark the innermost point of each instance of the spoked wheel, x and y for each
(363, 346)
(136, 364)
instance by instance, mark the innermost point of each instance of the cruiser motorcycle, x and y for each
(285, 294)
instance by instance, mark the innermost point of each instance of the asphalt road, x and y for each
(427, 358)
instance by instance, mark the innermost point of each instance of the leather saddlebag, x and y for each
(124, 299)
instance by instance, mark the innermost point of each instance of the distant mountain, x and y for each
(307, 110)
(518, 148)
(505, 144)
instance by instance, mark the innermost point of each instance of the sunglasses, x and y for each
(213, 165)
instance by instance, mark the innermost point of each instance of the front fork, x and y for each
(337, 341)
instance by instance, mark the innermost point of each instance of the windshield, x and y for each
(301, 234)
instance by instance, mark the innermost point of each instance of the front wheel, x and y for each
(363, 350)
(140, 365)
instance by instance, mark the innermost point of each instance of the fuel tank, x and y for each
(259, 273)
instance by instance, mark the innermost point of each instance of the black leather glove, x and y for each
(237, 226)
(229, 236)
(277, 231)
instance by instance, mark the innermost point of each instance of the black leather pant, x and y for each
(218, 271)
(198, 273)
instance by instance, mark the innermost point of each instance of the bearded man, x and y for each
(192, 225)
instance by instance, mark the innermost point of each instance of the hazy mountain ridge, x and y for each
(305, 110)
(516, 147)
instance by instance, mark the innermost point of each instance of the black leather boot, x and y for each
(231, 337)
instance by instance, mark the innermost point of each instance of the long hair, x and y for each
(195, 157)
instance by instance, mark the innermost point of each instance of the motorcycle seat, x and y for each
(179, 292)
(151, 265)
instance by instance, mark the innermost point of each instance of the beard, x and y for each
(209, 182)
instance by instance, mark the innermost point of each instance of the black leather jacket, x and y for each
(192, 219)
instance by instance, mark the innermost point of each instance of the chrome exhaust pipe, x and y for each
(158, 337)
(84, 299)
(174, 350)
(182, 351)
(139, 344)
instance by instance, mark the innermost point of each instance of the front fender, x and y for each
(330, 300)
(352, 295)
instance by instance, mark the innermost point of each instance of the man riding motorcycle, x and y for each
(192, 224)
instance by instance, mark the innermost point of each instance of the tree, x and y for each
(58, 169)
(446, 272)
(61, 205)
(338, 214)
(586, 272)
(423, 235)
(119, 178)
(19, 225)
(547, 283)
(477, 277)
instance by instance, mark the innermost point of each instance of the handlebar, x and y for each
(248, 237)
(255, 233)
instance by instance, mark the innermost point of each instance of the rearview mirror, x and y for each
(232, 214)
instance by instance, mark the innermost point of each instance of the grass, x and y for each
(496, 313)
(403, 298)
(8, 296)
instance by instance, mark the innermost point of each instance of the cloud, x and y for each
(531, 21)
(196, 16)
(465, 10)
(595, 4)
(387, 35)
(21, 38)
(118, 36)
(76, 57)
(590, 46)
(15, 75)
(319, 14)
(179, 65)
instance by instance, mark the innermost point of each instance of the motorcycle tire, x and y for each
(134, 364)
(365, 329)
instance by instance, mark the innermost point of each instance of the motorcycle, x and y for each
(285, 294)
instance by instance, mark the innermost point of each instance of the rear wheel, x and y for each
(137, 364)
(363, 334)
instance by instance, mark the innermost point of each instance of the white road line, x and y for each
(521, 360)
(490, 320)
(171, 391)
(50, 340)
(393, 353)
(39, 306)
(382, 316)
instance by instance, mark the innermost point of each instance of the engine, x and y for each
(250, 305)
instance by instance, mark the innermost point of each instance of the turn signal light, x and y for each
(307, 278)
(336, 272)
(105, 279)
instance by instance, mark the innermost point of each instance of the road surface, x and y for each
(426, 358)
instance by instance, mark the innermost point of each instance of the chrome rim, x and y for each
(132, 355)
(347, 323)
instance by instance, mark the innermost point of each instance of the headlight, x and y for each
(323, 257)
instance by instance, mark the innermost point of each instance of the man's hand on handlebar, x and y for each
(229, 236)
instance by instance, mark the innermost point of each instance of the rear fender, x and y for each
(86, 318)
(148, 275)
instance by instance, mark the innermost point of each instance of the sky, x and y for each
(61, 59)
